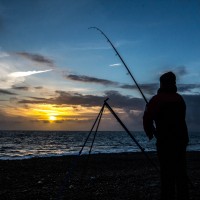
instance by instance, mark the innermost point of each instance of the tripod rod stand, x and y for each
(97, 123)
(98, 119)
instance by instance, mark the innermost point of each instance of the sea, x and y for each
(16, 145)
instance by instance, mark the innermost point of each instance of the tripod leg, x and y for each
(132, 137)
(95, 132)
(100, 113)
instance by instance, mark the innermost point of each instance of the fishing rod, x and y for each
(145, 99)
(125, 65)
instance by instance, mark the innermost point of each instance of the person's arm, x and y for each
(148, 122)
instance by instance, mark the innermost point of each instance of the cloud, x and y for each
(20, 88)
(127, 107)
(36, 58)
(89, 79)
(7, 92)
(133, 107)
(26, 88)
(146, 88)
(35, 100)
(130, 109)
(149, 89)
(116, 64)
(124, 101)
(10, 74)
(188, 88)
(70, 98)
(6, 81)
(28, 73)
(77, 99)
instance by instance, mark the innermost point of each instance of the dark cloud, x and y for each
(133, 107)
(146, 88)
(187, 87)
(26, 88)
(7, 92)
(34, 100)
(38, 98)
(20, 88)
(77, 99)
(9, 121)
(36, 58)
(88, 79)
(116, 98)
(69, 98)
(151, 89)
(123, 101)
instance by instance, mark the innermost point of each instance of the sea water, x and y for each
(28, 144)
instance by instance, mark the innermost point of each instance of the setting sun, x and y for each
(52, 118)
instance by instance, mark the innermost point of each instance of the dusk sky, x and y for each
(55, 72)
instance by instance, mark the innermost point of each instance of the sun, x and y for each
(52, 118)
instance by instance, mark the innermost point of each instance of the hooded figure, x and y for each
(167, 111)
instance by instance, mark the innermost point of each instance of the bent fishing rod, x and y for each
(125, 65)
(145, 99)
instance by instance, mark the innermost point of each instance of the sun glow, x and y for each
(52, 118)
(55, 114)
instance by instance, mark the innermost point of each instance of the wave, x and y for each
(31, 144)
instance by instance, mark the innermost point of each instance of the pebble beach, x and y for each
(101, 176)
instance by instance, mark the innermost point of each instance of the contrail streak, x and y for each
(28, 73)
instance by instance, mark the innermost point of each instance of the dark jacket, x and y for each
(167, 109)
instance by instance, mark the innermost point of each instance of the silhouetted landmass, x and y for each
(105, 176)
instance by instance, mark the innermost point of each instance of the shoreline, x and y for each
(27, 157)
(102, 176)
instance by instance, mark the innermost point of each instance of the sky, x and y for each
(55, 73)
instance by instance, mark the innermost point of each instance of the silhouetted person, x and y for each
(167, 110)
